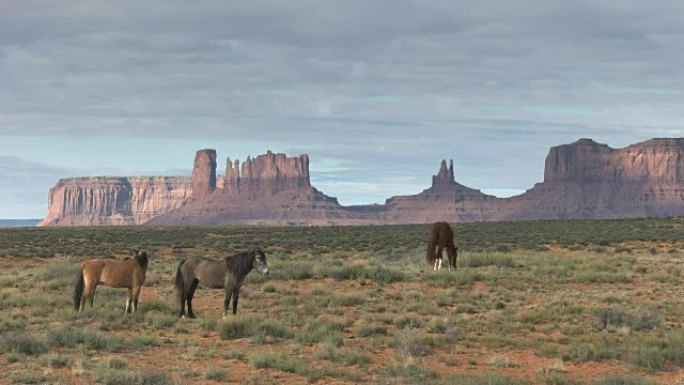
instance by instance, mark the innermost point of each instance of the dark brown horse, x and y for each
(128, 273)
(227, 273)
(441, 237)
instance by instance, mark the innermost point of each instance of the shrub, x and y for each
(236, 327)
(29, 377)
(622, 380)
(21, 343)
(216, 375)
(319, 330)
(70, 337)
(638, 321)
(266, 360)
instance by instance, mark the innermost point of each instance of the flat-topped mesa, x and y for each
(87, 201)
(204, 173)
(267, 173)
(656, 160)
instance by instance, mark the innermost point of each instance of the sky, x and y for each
(376, 92)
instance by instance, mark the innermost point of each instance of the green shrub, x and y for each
(269, 360)
(236, 327)
(479, 260)
(622, 380)
(30, 377)
(22, 343)
(216, 375)
(70, 337)
(56, 360)
(485, 379)
(319, 330)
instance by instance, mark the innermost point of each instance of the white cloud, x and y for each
(387, 87)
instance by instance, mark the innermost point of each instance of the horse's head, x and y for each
(260, 261)
(141, 257)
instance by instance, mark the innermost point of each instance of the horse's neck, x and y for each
(245, 265)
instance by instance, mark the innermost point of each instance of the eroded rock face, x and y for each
(204, 173)
(269, 189)
(445, 200)
(656, 160)
(267, 174)
(114, 200)
(584, 179)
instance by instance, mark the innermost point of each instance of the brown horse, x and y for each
(226, 273)
(441, 237)
(128, 273)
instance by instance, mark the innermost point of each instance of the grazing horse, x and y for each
(441, 237)
(128, 273)
(226, 273)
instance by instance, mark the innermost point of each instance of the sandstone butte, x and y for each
(583, 179)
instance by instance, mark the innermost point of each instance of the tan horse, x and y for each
(441, 237)
(128, 273)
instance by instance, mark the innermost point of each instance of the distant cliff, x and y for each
(586, 179)
(583, 179)
(114, 200)
(271, 188)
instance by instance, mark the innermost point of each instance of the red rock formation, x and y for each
(267, 174)
(584, 179)
(113, 200)
(271, 188)
(204, 173)
(446, 200)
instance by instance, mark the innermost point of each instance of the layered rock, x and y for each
(584, 179)
(204, 173)
(445, 200)
(269, 189)
(267, 174)
(114, 200)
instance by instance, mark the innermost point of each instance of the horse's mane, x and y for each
(241, 262)
(141, 257)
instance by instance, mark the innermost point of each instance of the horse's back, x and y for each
(210, 272)
(443, 232)
(115, 273)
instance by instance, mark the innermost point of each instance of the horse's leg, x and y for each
(129, 300)
(86, 295)
(440, 253)
(452, 257)
(91, 293)
(183, 295)
(449, 258)
(190, 294)
(136, 295)
(226, 301)
(236, 294)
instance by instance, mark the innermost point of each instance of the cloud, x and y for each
(24, 187)
(383, 88)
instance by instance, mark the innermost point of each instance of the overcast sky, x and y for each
(376, 92)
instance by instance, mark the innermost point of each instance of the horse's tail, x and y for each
(78, 290)
(432, 242)
(179, 284)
